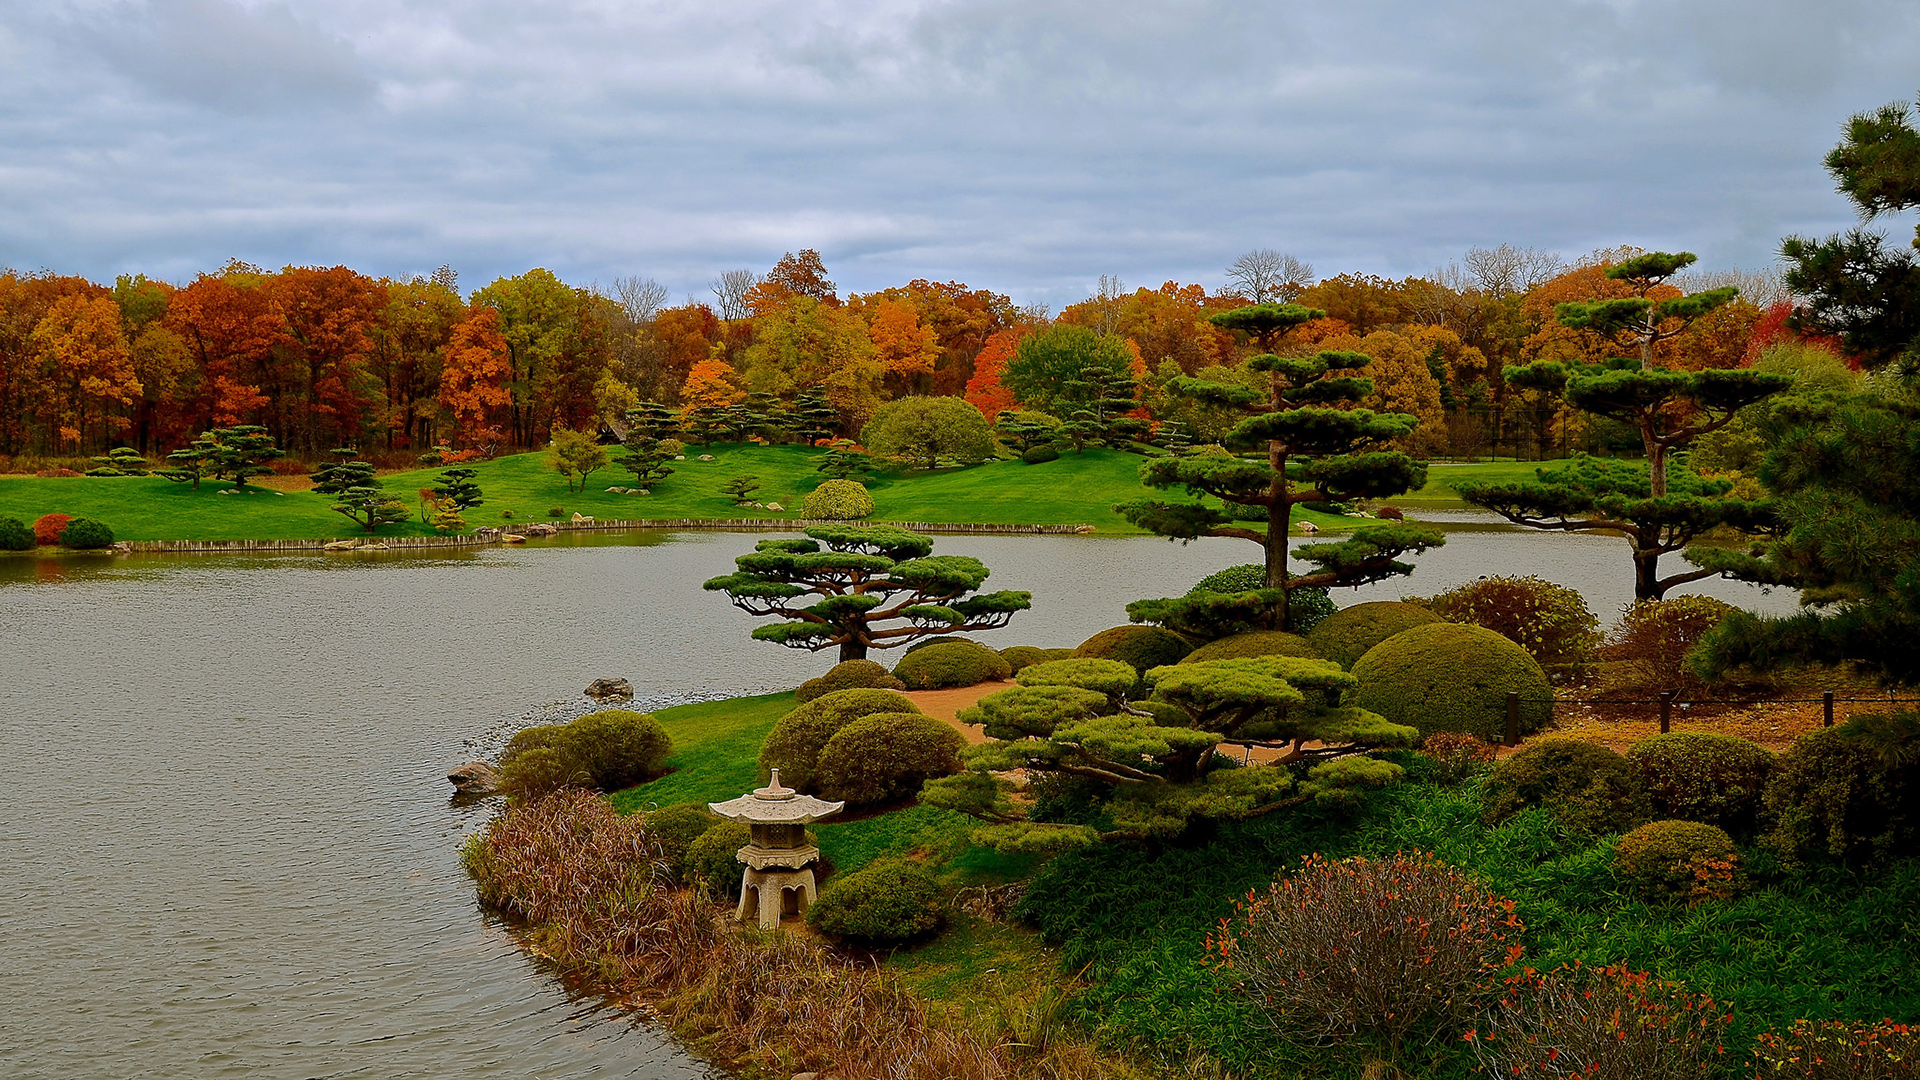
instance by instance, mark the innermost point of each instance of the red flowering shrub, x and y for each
(1379, 948)
(1605, 1023)
(1838, 1050)
(47, 529)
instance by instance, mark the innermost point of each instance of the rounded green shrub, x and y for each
(837, 500)
(1306, 607)
(539, 737)
(1110, 677)
(618, 747)
(889, 901)
(937, 639)
(1252, 643)
(1345, 636)
(675, 828)
(14, 535)
(795, 743)
(710, 862)
(1551, 622)
(1849, 793)
(1698, 776)
(950, 663)
(1040, 455)
(1140, 647)
(1450, 677)
(885, 757)
(541, 770)
(1678, 860)
(1588, 788)
(848, 675)
(1019, 656)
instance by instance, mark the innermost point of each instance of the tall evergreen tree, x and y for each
(1318, 448)
(457, 486)
(814, 417)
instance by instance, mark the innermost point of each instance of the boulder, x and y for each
(474, 778)
(342, 545)
(706, 457)
(541, 528)
(775, 506)
(610, 690)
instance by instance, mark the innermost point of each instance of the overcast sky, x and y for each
(1027, 146)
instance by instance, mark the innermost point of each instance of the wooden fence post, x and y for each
(1826, 706)
(1666, 710)
(1513, 718)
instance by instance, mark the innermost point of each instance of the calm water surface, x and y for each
(225, 841)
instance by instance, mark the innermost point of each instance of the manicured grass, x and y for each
(716, 751)
(1077, 489)
(1442, 477)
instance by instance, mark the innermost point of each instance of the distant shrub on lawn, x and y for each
(86, 534)
(15, 535)
(950, 663)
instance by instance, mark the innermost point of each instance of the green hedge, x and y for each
(1697, 776)
(797, 738)
(950, 663)
(888, 901)
(885, 757)
(1451, 677)
(1140, 647)
(1345, 636)
(848, 675)
(1849, 793)
(1587, 788)
(1253, 643)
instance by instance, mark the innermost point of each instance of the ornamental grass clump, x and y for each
(1839, 1050)
(1607, 1023)
(1389, 951)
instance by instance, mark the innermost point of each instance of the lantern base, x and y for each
(769, 891)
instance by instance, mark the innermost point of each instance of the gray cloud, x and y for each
(1023, 145)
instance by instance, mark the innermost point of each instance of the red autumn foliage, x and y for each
(48, 528)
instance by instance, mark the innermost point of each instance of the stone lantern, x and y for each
(779, 859)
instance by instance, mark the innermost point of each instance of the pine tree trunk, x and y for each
(852, 649)
(1646, 576)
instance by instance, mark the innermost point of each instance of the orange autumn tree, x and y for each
(475, 378)
(709, 389)
(903, 345)
(984, 390)
(85, 367)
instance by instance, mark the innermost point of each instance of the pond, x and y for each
(226, 833)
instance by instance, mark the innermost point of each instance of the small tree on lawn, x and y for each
(236, 454)
(122, 461)
(646, 456)
(1024, 430)
(814, 417)
(1315, 451)
(447, 519)
(873, 586)
(459, 487)
(842, 460)
(922, 430)
(576, 455)
(1157, 763)
(371, 506)
(740, 489)
(1097, 405)
(343, 474)
(189, 463)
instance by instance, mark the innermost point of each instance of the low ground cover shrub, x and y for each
(1345, 949)
(711, 864)
(1684, 861)
(848, 675)
(1647, 649)
(1345, 636)
(15, 535)
(1252, 643)
(1139, 647)
(1849, 793)
(1706, 777)
(675, 828)
(837, 500)
(885, 757)
(1606, 1023)
(1551, 622)
(1587, 788)
(1459, 754)
(1452, 677)
(795, 743)
(610, 750)
(950, 663)
(1839, 1050)
(890, 901)
(47, 527)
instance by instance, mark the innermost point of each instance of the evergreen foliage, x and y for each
(886, 757)
(1450, 677)
(740, 489)
(842, 460)
(1589, 789)
(458, 486)
(86, 534)
(1346, 635)
(121, 461)
(890, 901)
(795, 743)
(837, 500)
(943, 664)
(15, 535)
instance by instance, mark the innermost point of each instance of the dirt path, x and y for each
(946, 704)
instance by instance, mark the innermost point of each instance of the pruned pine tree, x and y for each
(343, 474)
(241, 453)
(1097, 405)
(370, 506)
(191, 462)
(842, 460)
(459, 487)
(1318, 448)
(814, 417)
(740, 489)
(121, 461)
(647, 457)
(860, 587)
(1025, 430)
(653, 420)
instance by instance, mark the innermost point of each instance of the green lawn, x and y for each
(716, 751)
(1442, 478)
(1077, 489)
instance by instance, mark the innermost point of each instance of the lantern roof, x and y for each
(776, 804)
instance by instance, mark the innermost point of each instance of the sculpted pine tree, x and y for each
(1318, 448)
(872, 587)
(1659, 507)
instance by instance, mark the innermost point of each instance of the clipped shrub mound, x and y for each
(1040, 455)
(1647, 649)
(848, 675)
(47, 528)
(1678, 861)
(1140, 647)
(837, 500)
(611, 749)
(710, 861)
(795, 743)
(1345, 636)
(935, 640)
(14, 535)
(85, 535)
(1697, 776)
(1849, 793)
(885, 757)
(675, 828)
(1252, 643)
(950, 663)
(1551, 622)
(1022, 656)
(1586, 787)
(1449, 677)
(888, 901)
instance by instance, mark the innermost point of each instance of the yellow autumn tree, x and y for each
(85, 363)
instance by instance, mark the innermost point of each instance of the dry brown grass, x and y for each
(592, 894)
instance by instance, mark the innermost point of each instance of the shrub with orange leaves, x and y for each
(1605, 1023)
(47, 529)
(1385, 949)
(1838, 1050)
(1460, 754)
